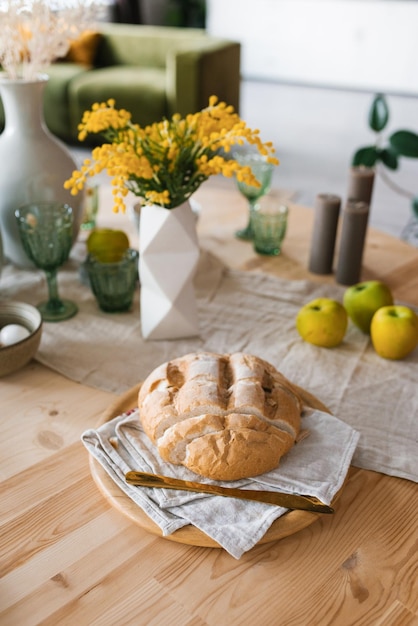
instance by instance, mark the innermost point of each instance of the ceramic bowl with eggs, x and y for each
(20, 335)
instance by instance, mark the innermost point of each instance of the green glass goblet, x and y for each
(263, 171)
(46, 230)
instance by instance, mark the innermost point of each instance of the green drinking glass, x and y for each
(114, 283)
(46, 231)
(90, 207)
(263, 172)
(270, 225)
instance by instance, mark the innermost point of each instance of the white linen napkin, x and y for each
(316, 466)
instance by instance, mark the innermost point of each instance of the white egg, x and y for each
(12, 333)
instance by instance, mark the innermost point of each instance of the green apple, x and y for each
(394, 331)
(322, 322)
(361, 302)
(107, 244)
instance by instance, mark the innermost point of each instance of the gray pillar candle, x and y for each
(353, 236)
(360, 184)
(327, 210)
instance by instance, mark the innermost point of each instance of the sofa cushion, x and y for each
(56, 111)
(145, 46)
(142, 91)
(84, 49)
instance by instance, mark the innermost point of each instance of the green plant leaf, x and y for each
(389, 158)
(366, 156)
(415, 206)
(379, 113)
(405, 143)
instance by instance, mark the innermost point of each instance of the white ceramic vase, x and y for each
(34, 163)
(169, 253)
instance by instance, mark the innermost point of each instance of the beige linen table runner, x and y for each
(249, 312)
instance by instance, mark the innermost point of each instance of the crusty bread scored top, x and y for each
(223, 416)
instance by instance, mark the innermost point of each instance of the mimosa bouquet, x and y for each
(166, 162)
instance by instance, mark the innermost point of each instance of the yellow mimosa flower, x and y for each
(166, 162)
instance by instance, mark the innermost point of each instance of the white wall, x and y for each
(361, 44)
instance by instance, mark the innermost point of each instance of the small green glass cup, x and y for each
(113, 284)
(270, 225)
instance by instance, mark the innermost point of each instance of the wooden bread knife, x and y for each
(287, 500)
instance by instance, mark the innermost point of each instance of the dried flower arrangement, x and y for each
(33, 33)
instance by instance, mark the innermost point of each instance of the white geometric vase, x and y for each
(169, 253)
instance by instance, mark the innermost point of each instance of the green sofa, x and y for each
(152, 71)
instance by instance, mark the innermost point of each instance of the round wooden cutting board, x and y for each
(288, 524)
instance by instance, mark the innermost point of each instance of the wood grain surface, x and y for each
(68, 556)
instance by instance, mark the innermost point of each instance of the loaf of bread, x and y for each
(223, 416)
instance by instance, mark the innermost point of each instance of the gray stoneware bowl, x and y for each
(15, 356)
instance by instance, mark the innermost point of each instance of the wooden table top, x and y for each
(68, 557)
